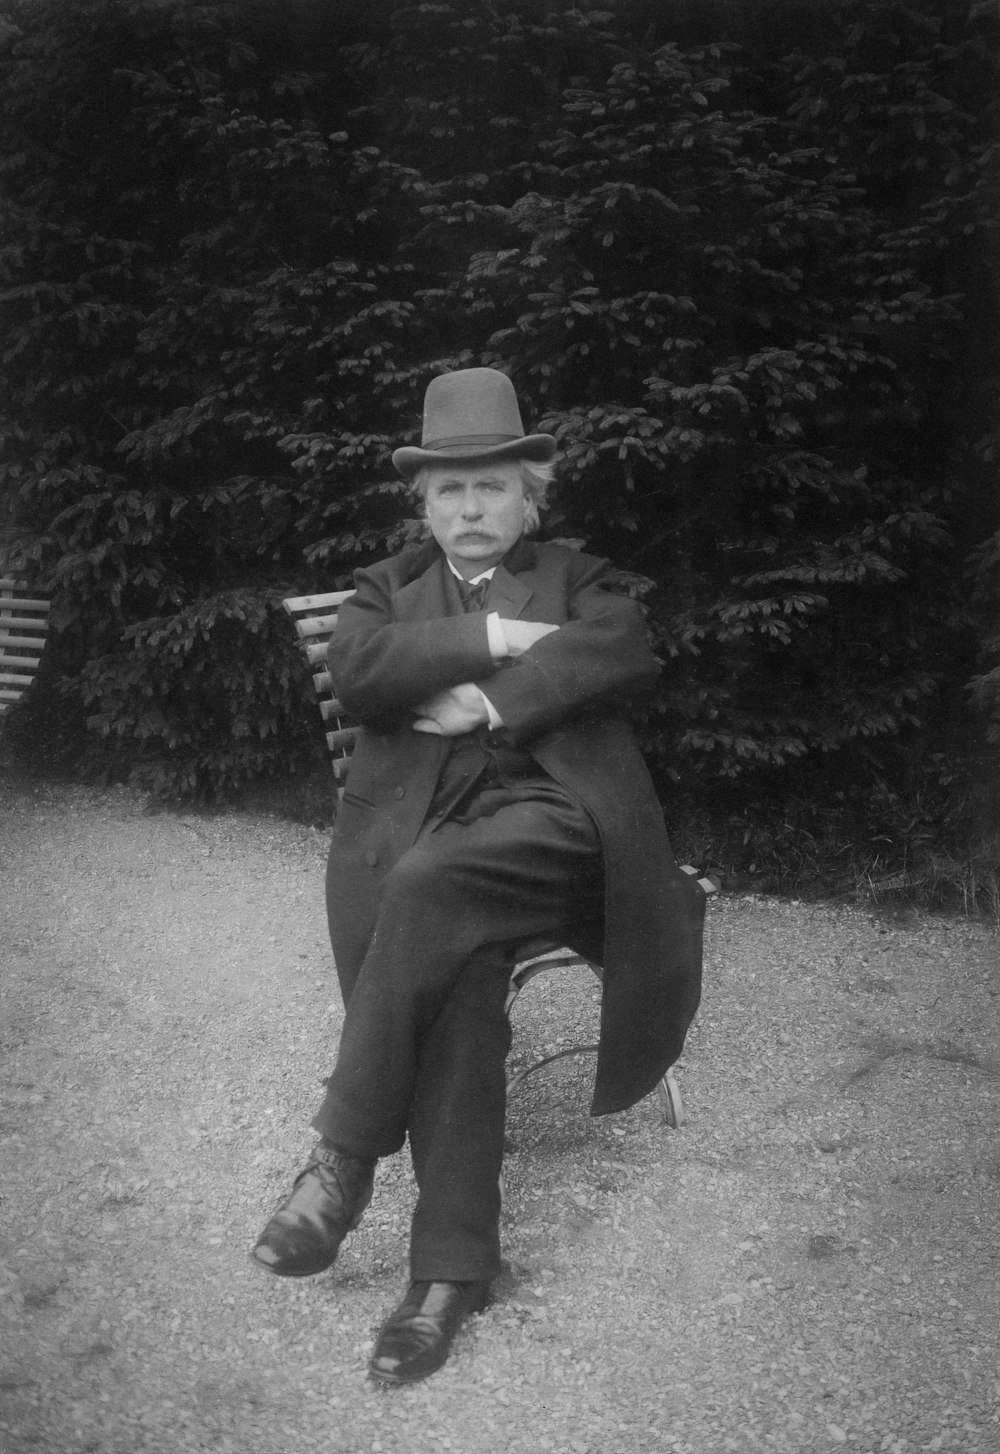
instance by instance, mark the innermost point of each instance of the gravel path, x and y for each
(811, 1264)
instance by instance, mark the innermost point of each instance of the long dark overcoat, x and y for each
(396, 645)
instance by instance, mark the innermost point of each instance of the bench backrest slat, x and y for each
(315, 618)
(24, 622)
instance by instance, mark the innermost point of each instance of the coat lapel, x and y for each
(508, 594)
(509, 591)
(424, 598)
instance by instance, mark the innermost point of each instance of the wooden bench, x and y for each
(24, 622)
(315, 617)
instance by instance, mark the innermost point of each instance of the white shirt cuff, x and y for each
(495, 636)
(494, 718)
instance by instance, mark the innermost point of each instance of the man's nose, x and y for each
(471, 505)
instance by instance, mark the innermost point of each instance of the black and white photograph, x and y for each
(499, 727)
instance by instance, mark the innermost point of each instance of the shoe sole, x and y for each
(279, 1272)
(393, 1380)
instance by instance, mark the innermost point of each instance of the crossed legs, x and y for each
(425, 1036)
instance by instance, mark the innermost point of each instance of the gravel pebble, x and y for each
(811, 1264)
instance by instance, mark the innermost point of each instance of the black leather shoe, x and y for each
(327, 1201)
(416, 1340)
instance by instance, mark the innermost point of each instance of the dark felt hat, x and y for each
(472, 415)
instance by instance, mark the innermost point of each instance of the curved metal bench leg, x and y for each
(668, 1090)
(515, 1080)
(670, 1098)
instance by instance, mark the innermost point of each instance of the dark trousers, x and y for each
(425, 1036)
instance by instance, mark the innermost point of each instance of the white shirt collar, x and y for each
(486, 575)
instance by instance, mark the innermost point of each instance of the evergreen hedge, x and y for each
(741, 260)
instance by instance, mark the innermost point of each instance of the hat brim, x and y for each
(537, 448)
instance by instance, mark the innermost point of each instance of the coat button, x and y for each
(371, 857)
(399, 792)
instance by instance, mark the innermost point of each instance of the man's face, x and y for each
(476, 512)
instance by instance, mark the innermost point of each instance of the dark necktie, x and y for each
(473, 597)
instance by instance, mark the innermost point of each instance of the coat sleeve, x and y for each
(600, 654)
(382, 667)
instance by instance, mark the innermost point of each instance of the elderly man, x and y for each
(496, 795)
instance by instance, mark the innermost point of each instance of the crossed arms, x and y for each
(589, 646)
(463, 707)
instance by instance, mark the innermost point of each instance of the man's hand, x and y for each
(522, 635)
(449, 714)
